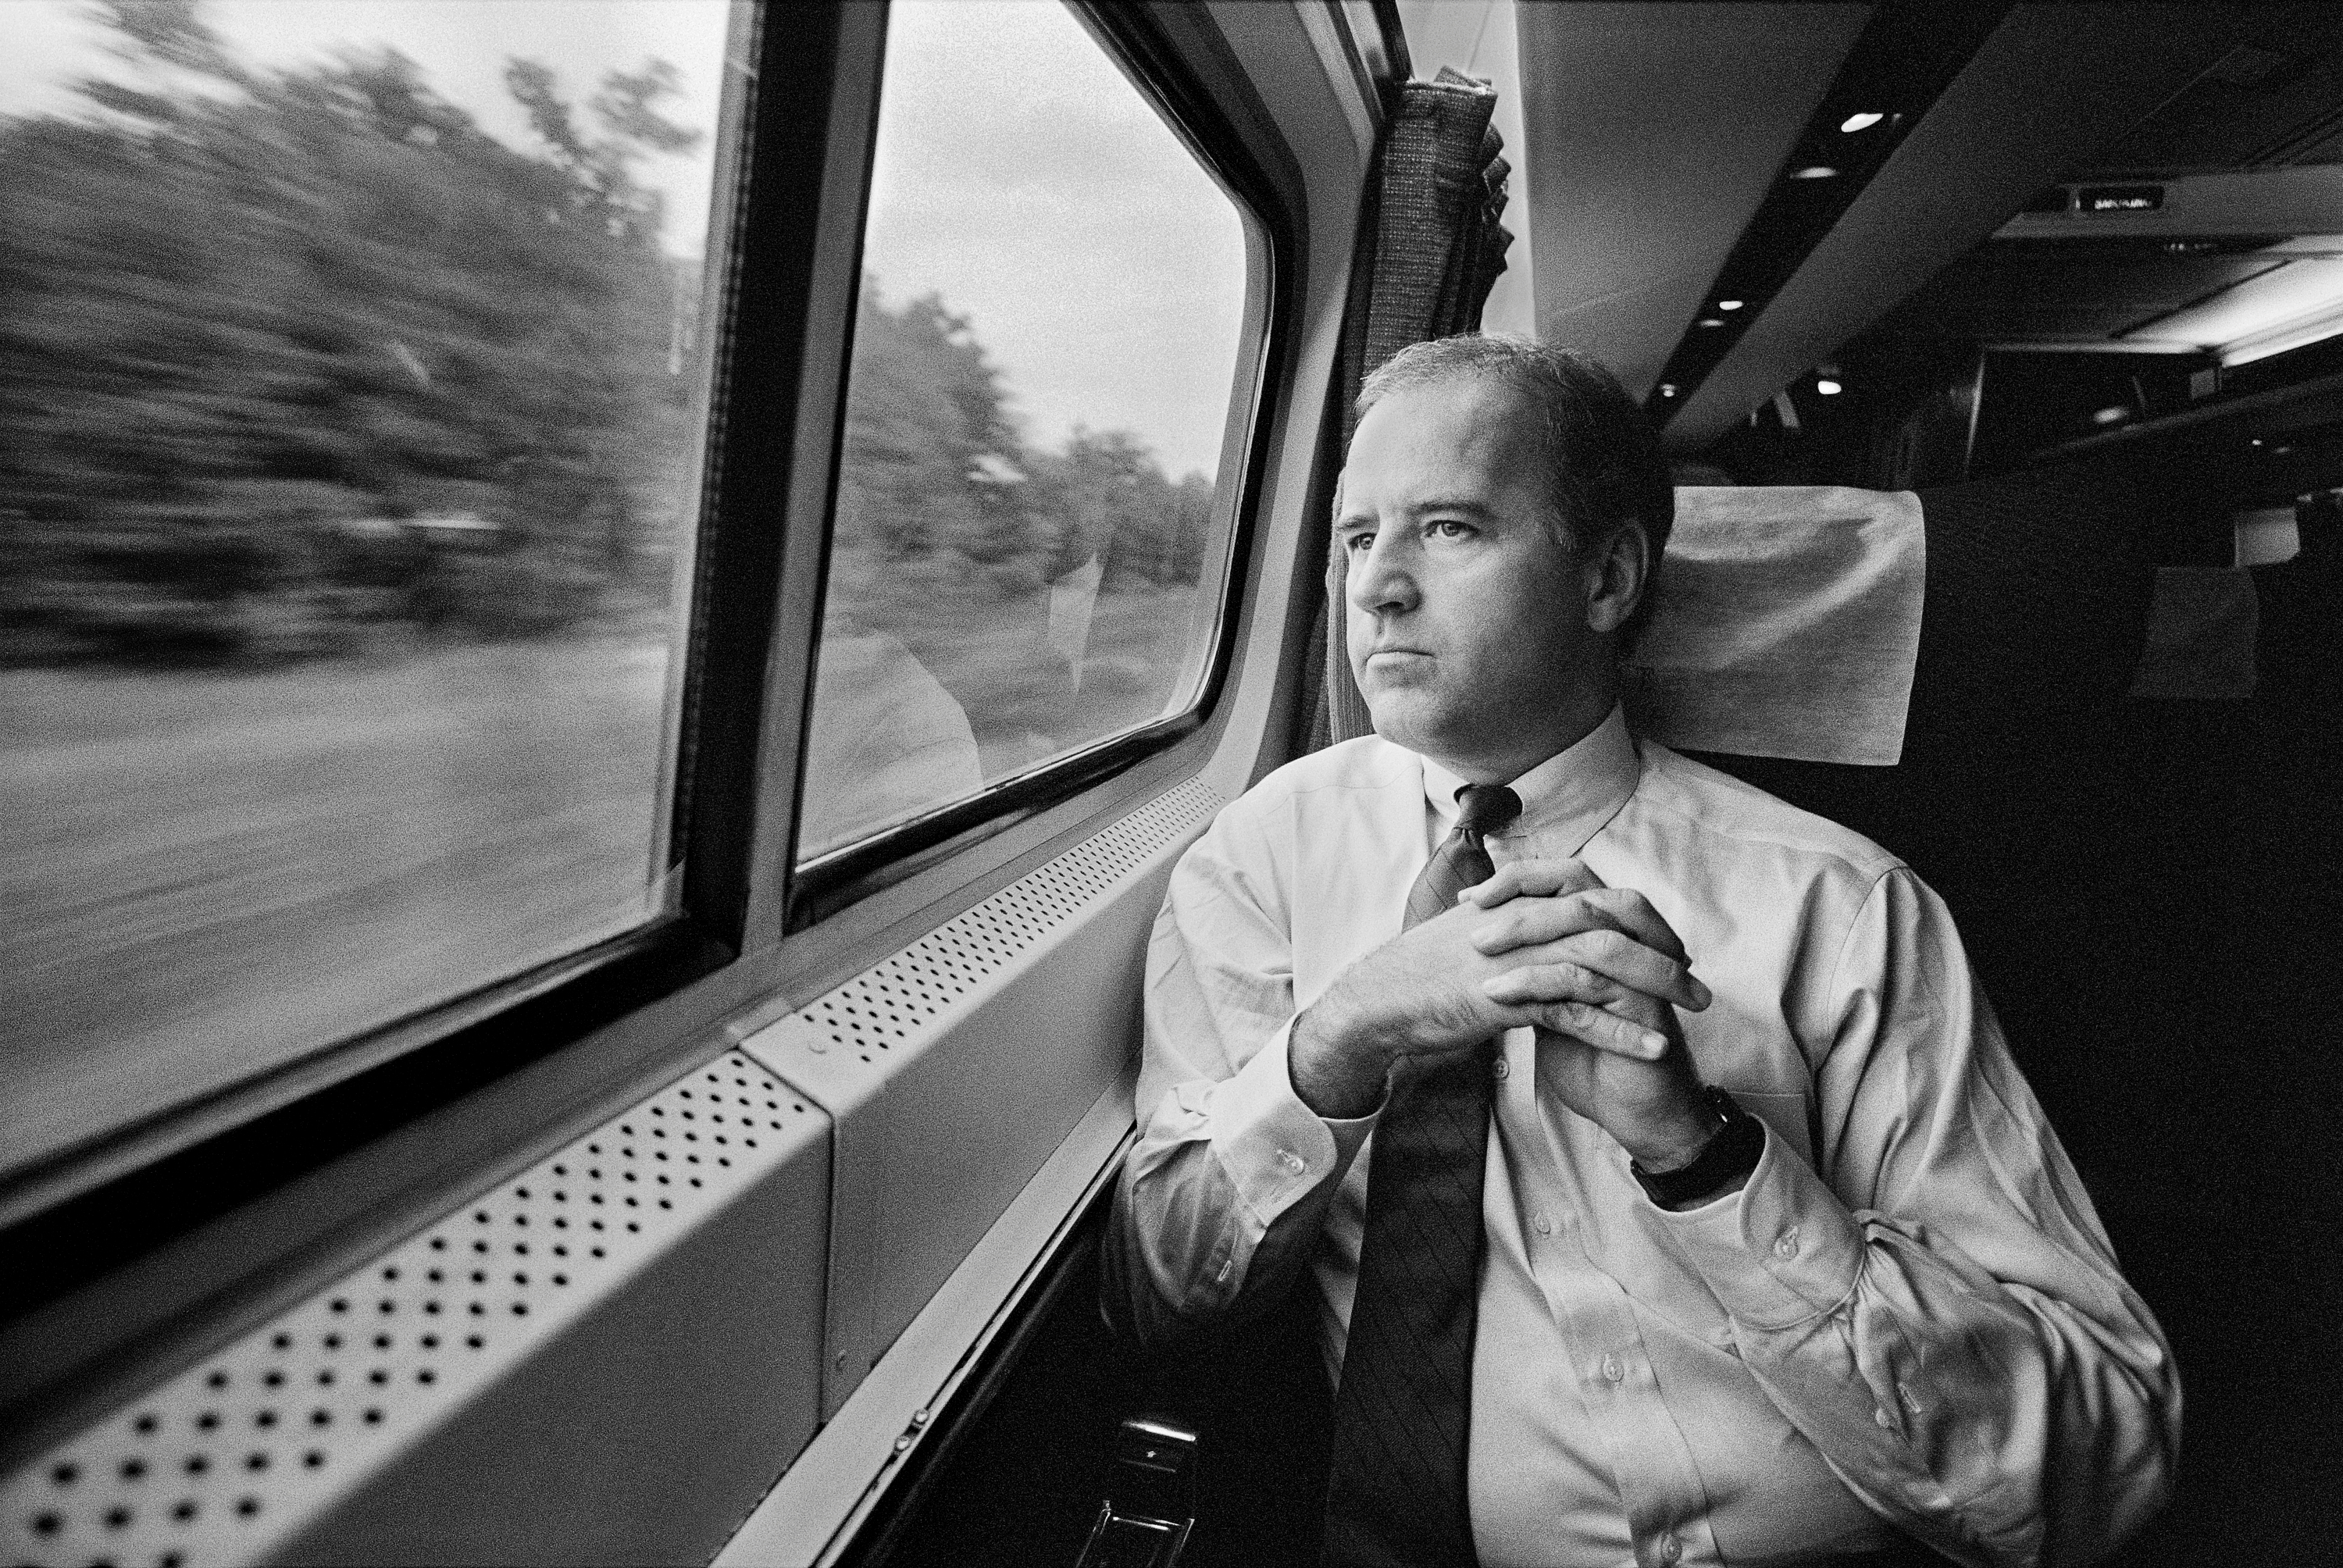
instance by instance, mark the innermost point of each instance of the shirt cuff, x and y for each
(1779, 1251)
(1274, 1148)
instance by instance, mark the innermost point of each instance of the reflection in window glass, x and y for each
(350, 408)
(1048, 335)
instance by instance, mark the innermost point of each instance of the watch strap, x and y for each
(1732, 1152)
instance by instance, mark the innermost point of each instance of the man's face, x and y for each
(1468, 619)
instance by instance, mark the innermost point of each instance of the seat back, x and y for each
(2013, 796)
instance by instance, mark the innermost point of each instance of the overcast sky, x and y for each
(1024, 178)
(461, 44)
(1018, 176)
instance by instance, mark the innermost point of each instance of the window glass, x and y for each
(1053, 304)
(351, 398)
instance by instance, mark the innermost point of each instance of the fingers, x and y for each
(1529, 920)
(1537, 879)
(1537, 984)
(1631, 1024)
(1567, 973)
(1602, 1031)
(1612, 960)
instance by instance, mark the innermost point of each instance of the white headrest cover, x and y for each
(1787, 624)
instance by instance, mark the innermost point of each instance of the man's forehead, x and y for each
(1453, 428)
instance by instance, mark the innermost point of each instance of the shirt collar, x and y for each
(1573, 792)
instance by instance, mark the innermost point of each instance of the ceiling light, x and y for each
(1828, 387)
(1711, 321)
(1667, 389)
(1728, 305)
(1861, 122)
(2114, 413)
(1814, 172)
(2269, 313)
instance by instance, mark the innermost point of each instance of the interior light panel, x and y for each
(2285, 307)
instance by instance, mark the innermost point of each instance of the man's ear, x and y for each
(1617, 575)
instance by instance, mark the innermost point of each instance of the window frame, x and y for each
(823, 885)
(197, 1223)
(801, 90)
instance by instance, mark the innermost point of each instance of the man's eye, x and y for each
(1448, 528)
(1357, 543)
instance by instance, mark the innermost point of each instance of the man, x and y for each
(1603, 1313)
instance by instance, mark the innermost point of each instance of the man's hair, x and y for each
(1603, 466)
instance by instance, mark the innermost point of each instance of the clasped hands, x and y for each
(1542, 943)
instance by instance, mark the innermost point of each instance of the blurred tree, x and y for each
(951, 529)
(1114, 502)
(251, 324)
(289, 356)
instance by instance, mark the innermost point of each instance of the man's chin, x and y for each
(1404, 719)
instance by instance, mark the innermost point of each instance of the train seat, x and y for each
(1785, 623)
(2015, 793)
(1933, 670)
(2138, 867)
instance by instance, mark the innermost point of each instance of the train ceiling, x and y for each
(2183, 164)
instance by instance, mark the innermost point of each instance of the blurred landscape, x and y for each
(293, 362)
(348, 464)
(345, 455)
(1049, 593)
(218, 872)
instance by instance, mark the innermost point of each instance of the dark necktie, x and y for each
(1395, 1489)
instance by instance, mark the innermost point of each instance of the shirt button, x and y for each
(1612, 1370)
(1786, 1246)
(1290, 1160)
(1502, 1068)
(1544, 1226)
(1671, 1549)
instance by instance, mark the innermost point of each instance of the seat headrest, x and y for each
(1786, 623)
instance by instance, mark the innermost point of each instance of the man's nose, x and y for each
(1379, 580)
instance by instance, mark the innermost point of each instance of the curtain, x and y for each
(1435, 199)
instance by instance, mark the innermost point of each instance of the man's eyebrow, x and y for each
(1465, 503)
(1462, 505)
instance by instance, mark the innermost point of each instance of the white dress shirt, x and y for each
(1910, 1312)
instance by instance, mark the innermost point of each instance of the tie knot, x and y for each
(1484, 809)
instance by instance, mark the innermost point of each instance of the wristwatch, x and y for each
(1732, 1152)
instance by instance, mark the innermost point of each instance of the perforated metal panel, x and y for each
(953, 1070)
(242, 1454)
(376, 1420)
(881, 1007)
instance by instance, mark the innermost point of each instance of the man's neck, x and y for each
(1496, 765)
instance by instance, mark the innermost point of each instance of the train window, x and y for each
(351, 407)
(1052, 308)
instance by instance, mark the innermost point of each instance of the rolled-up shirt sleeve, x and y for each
(1224, 1194)
(1937, 1309)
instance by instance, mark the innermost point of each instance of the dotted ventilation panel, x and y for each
(953, 1068)
(244, 1453)
(883, 1007)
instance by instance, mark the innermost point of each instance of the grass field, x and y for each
(200, 875)
(204, 875)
